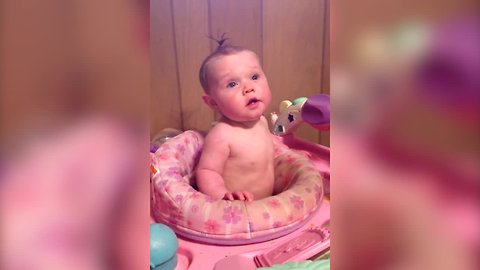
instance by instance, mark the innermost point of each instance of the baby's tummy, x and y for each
(257, 180)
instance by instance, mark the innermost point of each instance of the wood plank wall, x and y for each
(290, 38)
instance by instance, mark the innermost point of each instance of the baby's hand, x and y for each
(238, 195)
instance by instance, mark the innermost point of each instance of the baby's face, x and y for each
(238, 88)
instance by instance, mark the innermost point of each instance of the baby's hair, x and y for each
(220, 41)
(222, 49)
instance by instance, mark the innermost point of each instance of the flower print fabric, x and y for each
(298, 193)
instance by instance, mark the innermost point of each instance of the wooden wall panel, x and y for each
(240, 20)
(164, 97)
(292, 51)
(288, 37)
(192, 46)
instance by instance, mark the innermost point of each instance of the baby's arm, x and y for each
(214, 154)
(210, 167)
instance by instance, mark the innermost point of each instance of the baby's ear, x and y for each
(209, 101)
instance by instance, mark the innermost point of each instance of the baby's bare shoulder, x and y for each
(220, 133)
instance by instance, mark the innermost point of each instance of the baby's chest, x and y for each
(252, 151)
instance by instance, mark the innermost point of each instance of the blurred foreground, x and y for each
(74, 135)
(405, 138)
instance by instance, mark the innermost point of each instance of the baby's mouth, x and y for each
(252, 101)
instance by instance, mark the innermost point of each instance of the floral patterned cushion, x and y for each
(298, 189)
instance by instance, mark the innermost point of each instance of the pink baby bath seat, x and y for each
(174, 201)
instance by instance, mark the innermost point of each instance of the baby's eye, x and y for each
(231, 84)
(255, 77)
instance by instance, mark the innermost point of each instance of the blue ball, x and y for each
(163, 247)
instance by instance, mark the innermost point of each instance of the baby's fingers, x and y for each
(244, 195)
(228, 196)
(248, 196)
(239, 195)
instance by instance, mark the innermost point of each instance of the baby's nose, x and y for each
(247, 90)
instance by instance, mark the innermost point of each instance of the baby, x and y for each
(237, 156)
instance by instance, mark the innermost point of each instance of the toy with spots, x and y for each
(314, 111)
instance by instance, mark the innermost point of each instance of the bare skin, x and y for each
(237, 157)
(247, 169)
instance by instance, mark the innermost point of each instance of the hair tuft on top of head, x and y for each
(222, 49)
(221, 41)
